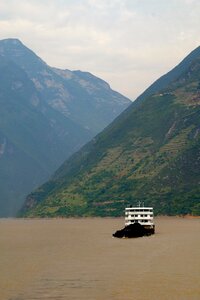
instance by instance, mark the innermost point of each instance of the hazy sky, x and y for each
(128, 43)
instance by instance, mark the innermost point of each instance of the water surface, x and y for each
(78, 259)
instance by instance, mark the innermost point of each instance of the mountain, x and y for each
(150, 153)
(79, 96)
(46, 114)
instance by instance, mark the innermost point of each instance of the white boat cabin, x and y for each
(139, 214)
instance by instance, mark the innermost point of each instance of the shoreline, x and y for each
(94, 217)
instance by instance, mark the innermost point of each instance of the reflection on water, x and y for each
(78, 259)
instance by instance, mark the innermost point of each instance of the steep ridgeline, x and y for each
(151, 153)
(46, 114)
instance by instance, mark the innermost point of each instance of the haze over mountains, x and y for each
(151, 153)
(46, 114)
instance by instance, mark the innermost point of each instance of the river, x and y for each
(68, 259)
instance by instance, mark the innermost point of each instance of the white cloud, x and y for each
(129, 43)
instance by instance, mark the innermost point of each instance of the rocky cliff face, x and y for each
(46, 115)
(150, 153)
(79, 96)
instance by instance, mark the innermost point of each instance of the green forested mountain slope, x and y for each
(151, 153)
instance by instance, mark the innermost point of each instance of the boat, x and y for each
(139, 221)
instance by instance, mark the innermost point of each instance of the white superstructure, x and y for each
(139, 214)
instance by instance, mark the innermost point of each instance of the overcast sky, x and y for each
(128, 43)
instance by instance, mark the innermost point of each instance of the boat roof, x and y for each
(139, 207)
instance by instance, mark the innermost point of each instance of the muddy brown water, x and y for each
(78, 259)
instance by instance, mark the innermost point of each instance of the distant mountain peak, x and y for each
(12, 41)
(46, 115)
(13, 49)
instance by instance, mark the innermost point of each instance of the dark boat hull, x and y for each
(133, 231)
